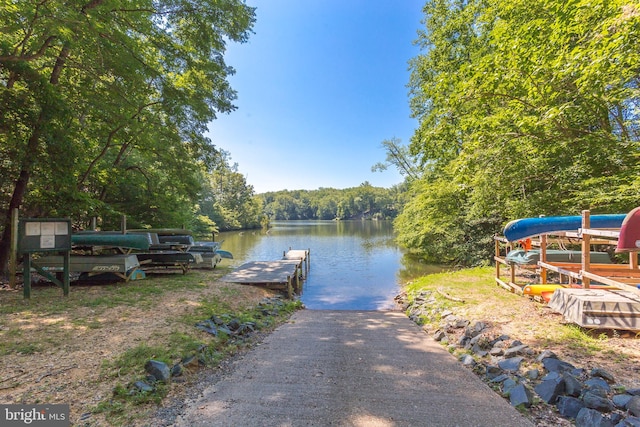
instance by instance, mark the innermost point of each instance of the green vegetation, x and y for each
(364, 201)
(485, 301)
(524, 108)
(103, 109)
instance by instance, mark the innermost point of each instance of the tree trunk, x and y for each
(31, 152)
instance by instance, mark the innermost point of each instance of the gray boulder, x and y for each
(510, 365)
(549, 390)
(159, 370)
(633, 406)
(591, 418)
(520, 395)
(569, 406)
(594, 401)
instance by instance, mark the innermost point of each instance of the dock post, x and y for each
(289, 288)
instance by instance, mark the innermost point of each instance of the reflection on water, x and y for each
(355, 265)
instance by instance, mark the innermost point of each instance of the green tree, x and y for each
(100, 96)
(527, 106)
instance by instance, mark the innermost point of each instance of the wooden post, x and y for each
(633, 260)
(123, 224)
(497, 254)
(13, 249)
(586, 248)
(289, 288)
(513, 275)
(26, 275)
(543, 257)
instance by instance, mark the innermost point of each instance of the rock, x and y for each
(439, 335)
(633, 406)
(463, 341)
(508, 385)
(597, 384)
(498, 344)
(224, 329)
(468, 360)
(601, 373)
(629, 422)
(511, 365)
(176, 370)
(516, 343)
(476, 340)
(569, 406)
(549, 390)
(496, 351)
(461, 323)
(478, 350)
(520, 395)
(633, 391)
(532, 374)
(546, 354)
(621, 401)
(234, 325)
(514, 351)
(594, 401)
(141, 386)
(500, 378)
(572, 386)
(158, 369)
(552, 376)
(500, 339)
(591, 418)
(492, 371)
(207, 326)
(552, 364)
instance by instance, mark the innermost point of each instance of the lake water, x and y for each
(354, 265)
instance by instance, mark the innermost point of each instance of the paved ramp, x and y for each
(350, 368)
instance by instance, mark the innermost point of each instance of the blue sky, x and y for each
(320, 85)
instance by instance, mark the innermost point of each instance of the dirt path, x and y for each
(76, 344)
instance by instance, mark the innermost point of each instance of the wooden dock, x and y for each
(286, 273)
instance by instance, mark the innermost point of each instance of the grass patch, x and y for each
(484, 300)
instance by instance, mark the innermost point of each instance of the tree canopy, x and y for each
(524, 108)
(104, 105)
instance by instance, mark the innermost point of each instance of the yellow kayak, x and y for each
(540, 288)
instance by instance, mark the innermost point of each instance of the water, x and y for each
(354, 265)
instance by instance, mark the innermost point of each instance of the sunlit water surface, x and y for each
(354, 265)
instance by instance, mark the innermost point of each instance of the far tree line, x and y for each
(362, 202)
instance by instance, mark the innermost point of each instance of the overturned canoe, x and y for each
(527, 227)
(111, 239)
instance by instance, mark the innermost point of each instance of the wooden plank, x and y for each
(256, 272)
(611, 282)
(601, 233)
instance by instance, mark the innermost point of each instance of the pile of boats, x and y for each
(127, 255)
(595, 283)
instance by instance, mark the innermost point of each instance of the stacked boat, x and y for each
(597, 286)
(117, 255)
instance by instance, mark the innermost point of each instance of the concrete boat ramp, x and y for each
(349, 368)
